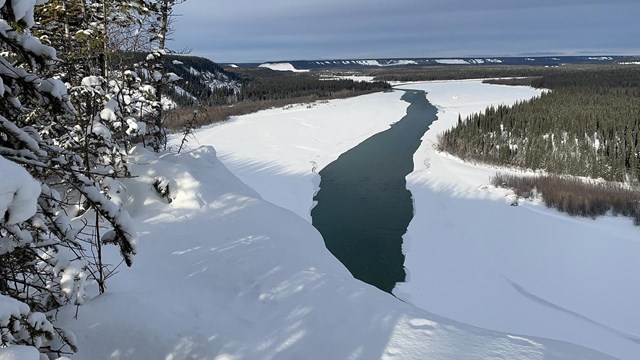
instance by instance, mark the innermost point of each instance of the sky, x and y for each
(276, 30)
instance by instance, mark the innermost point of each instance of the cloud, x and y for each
(248, 30)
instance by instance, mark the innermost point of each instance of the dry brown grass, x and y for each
(177, 118)
(574, 196)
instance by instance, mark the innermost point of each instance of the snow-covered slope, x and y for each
(201, 79)
(281, 67)
(223, 274)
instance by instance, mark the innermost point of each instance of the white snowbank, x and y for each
(281, 67)
(386, 63)
(223, 274)
(452, 61)
(19, 352)
(349, 77)
(18, 193)
(526, 269)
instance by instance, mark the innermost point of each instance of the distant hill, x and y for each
(203, 80)
(416, 62)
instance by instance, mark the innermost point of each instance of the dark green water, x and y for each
(363, 206)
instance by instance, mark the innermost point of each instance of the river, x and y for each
(363, 205)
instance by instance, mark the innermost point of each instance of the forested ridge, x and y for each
(303, 85)
(586, 125)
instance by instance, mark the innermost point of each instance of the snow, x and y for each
(34, 45)
(11, 308)
(386, 63)
(23, 10)
(223, 274)
(19, 352)
(349, 77)
(367, 62)
(18, 193)
(172, 77)
(371, 62)
(73, 281)
(281, 67)
(451, 61)
(93, 81)
(402, 62)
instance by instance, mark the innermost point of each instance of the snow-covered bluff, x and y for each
(281, 67)
(223, 274)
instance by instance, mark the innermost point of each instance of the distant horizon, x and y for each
(541, 54)
(424, 57)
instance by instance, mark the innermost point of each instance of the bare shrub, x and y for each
(574, 196)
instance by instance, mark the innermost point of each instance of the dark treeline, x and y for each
(458, 72)
(265, 84)
(587, 125)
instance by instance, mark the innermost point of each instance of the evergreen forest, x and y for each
(586, 124)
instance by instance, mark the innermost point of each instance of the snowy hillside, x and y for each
(202, 80)
(281, 67)
(223, 274)
(371, 63)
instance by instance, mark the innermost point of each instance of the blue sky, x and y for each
(257, 31)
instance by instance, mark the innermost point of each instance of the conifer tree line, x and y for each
(284, 86)
(68, 115)
(587, 125)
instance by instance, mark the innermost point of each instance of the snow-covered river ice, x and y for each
(363, 206)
